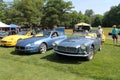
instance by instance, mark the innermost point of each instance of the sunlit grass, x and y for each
(48, 66)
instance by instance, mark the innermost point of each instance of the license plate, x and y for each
(2, 44)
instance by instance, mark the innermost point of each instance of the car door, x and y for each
(97, 43)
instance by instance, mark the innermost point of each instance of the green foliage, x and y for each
(74, 18)
(97, 20)
(89, 12)
(26, 12)
(118, 26)
(112, 16)
(48, 13)
(55, 12)
(2, 10)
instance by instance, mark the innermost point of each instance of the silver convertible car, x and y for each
(40, 43)
(78, 45)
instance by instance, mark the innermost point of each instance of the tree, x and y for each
(112, 16)
(26, 12)
(2, 10)
(97, 20)
(89, 12)
(56, 12)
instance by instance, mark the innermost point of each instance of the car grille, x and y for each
(20, 48)
(3, 41)
(67, 49)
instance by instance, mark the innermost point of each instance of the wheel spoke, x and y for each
(43, 48)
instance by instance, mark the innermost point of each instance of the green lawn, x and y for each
(48, 66)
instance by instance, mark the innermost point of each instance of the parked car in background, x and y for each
(78, 45)
(40, 44)
(103, 35)
(6, 33)
(13, 39)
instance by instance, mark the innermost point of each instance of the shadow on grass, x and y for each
(64, 59)
(107, 43)
(117, 45)
(22, 53)
(112, 44)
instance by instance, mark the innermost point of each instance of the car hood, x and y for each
(14, 37)
(29, 40)
(75, 42)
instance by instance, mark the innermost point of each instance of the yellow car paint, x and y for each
(13, 39)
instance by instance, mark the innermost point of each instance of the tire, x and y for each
(91, 54)
(43, 48)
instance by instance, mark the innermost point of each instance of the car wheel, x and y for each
(91, 54)
(43, 48)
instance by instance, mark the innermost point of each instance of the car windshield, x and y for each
(22, 33)
(46, 33)
(93, 31)
(83, 34)
(78, 34)
(40, 32)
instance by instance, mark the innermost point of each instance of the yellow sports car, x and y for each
(103, 35)
(103, 38)
(13, 39)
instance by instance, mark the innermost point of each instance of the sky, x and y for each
(98, 6)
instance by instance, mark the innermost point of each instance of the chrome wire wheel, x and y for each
(91, 54)
(43, 48)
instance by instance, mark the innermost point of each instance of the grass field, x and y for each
(48, 66)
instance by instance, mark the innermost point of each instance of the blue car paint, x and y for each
(29, 40)
(36, 41)
(76, 43)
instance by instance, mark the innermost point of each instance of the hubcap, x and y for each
(43, 48)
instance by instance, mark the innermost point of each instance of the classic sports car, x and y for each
(40, 44)
(13, 39)
(78, 45)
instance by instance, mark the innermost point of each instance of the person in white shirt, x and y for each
(100, 31)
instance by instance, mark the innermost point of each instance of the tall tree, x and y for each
(112, 16)
(89, 12)
(97, 20)
(56, 12)
(26, 11)
(2, 10)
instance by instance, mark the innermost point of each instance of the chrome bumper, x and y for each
(74, 55)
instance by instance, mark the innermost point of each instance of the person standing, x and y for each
(115, 35)
(100, 32)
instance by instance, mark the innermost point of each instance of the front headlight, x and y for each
(31, 44)
(54, 44)
(83, 47)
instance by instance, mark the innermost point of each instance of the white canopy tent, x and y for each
(83, 26)
(3, 25)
